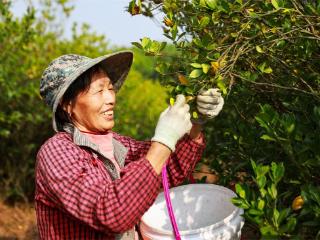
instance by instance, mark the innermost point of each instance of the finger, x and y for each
(165, 111)
(188, 116)
(189, 126)
(202, 110)
(186, 108)
(220, 105)
(204, 92)
(211, 112)
(210, 92)
(208, 99)
(208, 113)
(180, 101)
(215, 92)
(208, 106)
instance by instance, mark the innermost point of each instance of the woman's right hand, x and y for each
(173, 123)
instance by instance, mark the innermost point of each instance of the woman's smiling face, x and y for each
(92, 110)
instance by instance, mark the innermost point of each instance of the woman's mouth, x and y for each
(108, 115)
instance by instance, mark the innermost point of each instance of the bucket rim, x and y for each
(235, 212)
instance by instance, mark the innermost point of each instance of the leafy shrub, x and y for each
(264, 56)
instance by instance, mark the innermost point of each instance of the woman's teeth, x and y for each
(108, 113)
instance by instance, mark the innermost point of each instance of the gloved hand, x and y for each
(209, 105)
(173, 123)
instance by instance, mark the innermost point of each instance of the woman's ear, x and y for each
(67, 108)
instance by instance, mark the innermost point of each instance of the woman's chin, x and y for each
(109, 125)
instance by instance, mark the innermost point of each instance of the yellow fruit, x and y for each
(297, 203)
(172, 100)
(195, 115)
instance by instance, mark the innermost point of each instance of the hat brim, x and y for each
(116, 65)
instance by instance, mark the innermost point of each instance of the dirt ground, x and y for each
(18, 222)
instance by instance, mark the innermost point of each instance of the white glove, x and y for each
(174, 123)
(209, 104)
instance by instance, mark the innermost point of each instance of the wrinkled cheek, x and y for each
(113, 98)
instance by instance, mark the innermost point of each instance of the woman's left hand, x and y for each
(210, 103)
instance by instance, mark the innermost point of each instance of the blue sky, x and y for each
(108, 17)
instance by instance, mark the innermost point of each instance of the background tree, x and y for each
(264, 56)
(27, 45)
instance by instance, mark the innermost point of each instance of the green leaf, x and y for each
(202, 3)
(268, 230)
(234, 34)
(138, 45)
(277, 171)
(205, 68)
(261, 204)
(275, 217)
(268, 138)
(289, 226)
(197, 42)
(196, 65)
(204, 21)
(212, 4)
(259, 49)
(163, 45)
(241, 203)
(254, 166)
(275, 4)
(174, 31)
(211, 47)
(262, 170)
(290, 128)
(263, 192)
(223, 6)
(262, 66)
(283, 215)
(145, 42)
(222, 87)
(161, 68)
(268, 70)
(273, 191)
(154, 47)
(195, 73)
(255, 212)
(241, 192)
(235, 19)
(261, 181)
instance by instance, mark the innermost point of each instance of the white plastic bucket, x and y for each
(202, 211)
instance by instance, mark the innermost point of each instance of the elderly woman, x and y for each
(92, 183)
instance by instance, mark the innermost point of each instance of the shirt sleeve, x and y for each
(184, 159)
(180, 163)
(74, 185)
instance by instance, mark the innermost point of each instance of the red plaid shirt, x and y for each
(76, 197)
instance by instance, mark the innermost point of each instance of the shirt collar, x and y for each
(120, 151)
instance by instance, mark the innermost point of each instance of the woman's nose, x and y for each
(109, 97)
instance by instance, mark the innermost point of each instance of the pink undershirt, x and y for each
(104, 142)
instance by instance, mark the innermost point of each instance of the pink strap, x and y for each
(168, 201)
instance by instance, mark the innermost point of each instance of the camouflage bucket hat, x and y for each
(64, 70)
